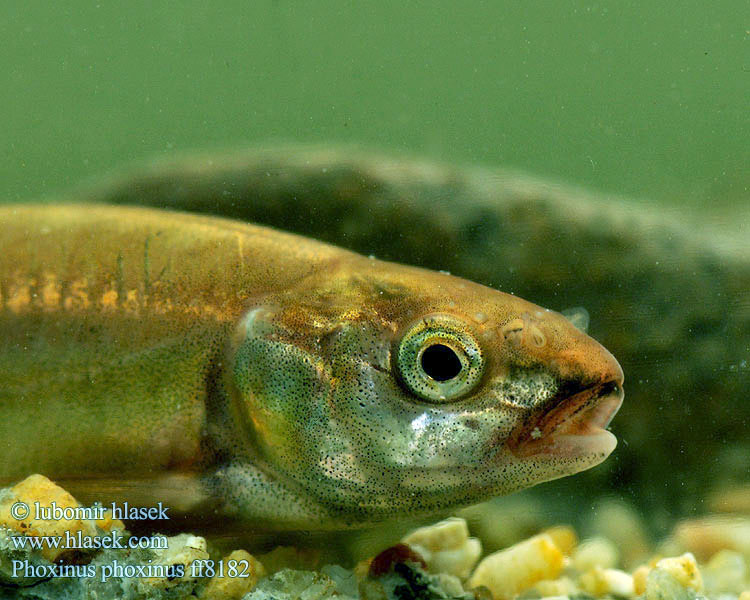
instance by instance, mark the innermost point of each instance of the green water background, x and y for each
(647, 99)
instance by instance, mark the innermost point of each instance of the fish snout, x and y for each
(550, 339)
(591, 364)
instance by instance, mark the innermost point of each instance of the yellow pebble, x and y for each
(639, 579)
(107, 523)
(600, 582)
(362, 568)
(706, 536)
(37, 488)
(684, 569)
(234, 585)
(564, 537)
(510, 571)
(446, 535)
(557, 587)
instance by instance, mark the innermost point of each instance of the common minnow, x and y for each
(296, 384)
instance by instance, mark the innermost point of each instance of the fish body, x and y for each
(162, 356)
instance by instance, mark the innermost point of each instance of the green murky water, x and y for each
(627, 97)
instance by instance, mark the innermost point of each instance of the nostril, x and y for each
(513, 327)
(537, 337)
(523, 329)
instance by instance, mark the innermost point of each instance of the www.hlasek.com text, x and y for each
(113, 540)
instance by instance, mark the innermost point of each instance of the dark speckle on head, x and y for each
(471, 424)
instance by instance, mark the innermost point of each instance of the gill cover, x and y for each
(311, 398)
(280, 390)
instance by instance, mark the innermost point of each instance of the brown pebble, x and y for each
(400, 553)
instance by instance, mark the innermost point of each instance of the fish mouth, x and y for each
(575, 426)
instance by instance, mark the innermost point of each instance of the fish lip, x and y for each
(575, 426)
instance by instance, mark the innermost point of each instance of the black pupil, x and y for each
(440, 362)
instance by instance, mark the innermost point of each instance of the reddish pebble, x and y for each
(400, 553)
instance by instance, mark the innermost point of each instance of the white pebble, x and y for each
(449, 534)
(451, 584)
(725, 573)
(662, 585)
(595, 552)
(446, 547)
(182, 549)
(622, 524)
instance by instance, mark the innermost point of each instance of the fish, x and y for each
(666, 289)
(159, 356)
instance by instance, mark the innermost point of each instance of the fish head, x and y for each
(383, 390)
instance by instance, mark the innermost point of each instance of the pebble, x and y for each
(446, 547)
(552, 565)
(640, 575)
(565, 538)
(725, 573)
(288, 584)
(451, 584)
(37, 488)
(182, 549)
(620, 523)
(564, 586)
(600, 582)
(706, 536)
(684, 569)
(662, 585)
(515, 569)
(595, 552)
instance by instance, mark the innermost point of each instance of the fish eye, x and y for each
(438, 359)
